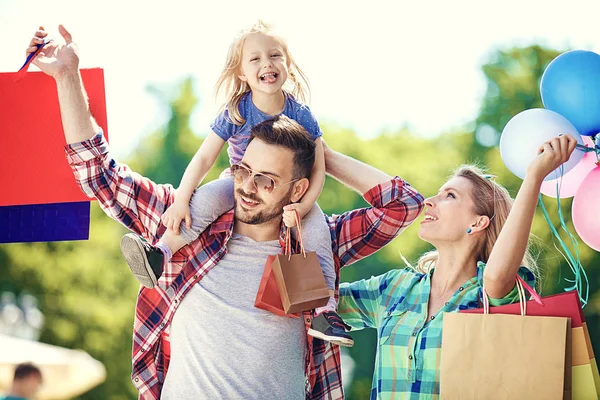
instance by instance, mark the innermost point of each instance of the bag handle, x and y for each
(288, 238)
(23, 70)
(534, 295)
(521, 287)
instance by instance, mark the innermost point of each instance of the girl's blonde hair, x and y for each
(233, 88)
(493, 200)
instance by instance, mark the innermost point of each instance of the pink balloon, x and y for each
(584, 211)
(571, 181)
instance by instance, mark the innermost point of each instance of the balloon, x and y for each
(570, 86)
(584, 211)
(526, 132)
(570, 181)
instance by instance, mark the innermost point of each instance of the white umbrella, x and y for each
(66, 373)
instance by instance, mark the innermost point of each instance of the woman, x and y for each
(480, 238)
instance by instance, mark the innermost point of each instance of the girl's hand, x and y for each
(289, 217)
(178, 212)
(551, 155)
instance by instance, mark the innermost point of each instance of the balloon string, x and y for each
(574, 262)
(588, 149)
(575, 244)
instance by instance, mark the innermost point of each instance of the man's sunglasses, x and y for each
(262, 183)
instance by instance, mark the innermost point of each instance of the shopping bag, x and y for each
(299, 277)
(503, 356)
(32, 153)
(40, 200)
(585, 382)
(300, 283)
(268, 297)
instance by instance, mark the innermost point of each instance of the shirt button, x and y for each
(415, 333)
(447, 303)
(308, 320)
(410, 357)
(176, 301)
(433, 316)
(137, 379)
(460, 289)
(195, 276)
(162, 324)
(143, 350)
(389, 313)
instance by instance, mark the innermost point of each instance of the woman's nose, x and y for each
(429, 202)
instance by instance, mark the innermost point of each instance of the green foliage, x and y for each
(513, 77)
(88, 295)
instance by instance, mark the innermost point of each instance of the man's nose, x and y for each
(249, 186)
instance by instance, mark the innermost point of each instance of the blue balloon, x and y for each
(570, 86)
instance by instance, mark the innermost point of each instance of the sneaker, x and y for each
(329, 326)
(144, 260)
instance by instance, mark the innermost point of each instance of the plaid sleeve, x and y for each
(362, 302)
(360, 233)
(125, 196)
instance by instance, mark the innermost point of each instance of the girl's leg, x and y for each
(326, 323)
(208, 202)
(317, 237)
(149, 262)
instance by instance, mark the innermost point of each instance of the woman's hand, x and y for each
(551, 155)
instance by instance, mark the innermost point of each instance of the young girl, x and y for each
(260, 80)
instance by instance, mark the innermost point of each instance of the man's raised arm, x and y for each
(355, 174)
(395, 205)
(125, 196)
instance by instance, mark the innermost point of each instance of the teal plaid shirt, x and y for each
(407, 365)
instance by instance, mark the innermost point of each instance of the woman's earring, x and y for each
(468, 231)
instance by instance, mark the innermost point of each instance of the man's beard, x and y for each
(262, 216)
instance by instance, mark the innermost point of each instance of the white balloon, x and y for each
(526, 132)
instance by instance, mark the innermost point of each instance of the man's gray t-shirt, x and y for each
(222, 347)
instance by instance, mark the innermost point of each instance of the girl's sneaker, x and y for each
(329, 326)
(145, 261)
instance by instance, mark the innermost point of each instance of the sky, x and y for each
(372, 65)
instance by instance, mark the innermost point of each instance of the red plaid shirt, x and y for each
(138, 203)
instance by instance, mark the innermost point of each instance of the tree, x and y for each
(513, 76)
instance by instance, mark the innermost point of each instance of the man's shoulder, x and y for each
(222, 224)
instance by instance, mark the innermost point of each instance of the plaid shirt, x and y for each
(407, 365)
(138, 203)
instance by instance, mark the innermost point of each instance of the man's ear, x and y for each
(300, 188)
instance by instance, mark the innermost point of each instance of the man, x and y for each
(198, 335)
(26, 382)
